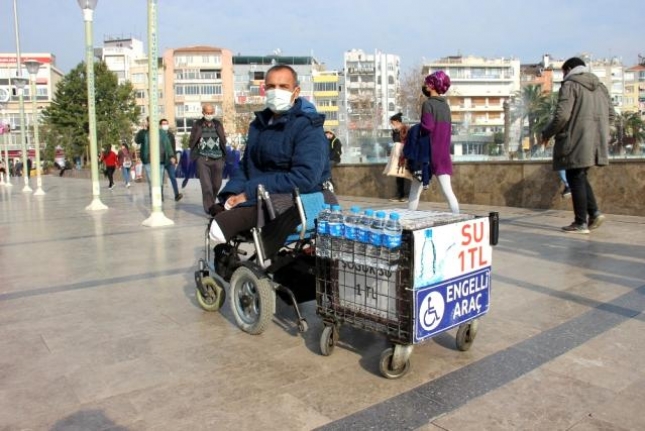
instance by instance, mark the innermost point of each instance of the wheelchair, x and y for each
(281, 262)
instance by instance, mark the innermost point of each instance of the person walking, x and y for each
(171, 164)
(399, 134)
(208, 147)
(165, 152)
(581, 126)
(124, 162)
(109, 158)
(436, 125)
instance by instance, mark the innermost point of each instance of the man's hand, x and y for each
(234, 201)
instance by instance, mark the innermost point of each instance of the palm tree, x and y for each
(530, 98)
(544, 112)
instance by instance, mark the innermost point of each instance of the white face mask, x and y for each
(279, 100)
(165, 127)
(209, 117)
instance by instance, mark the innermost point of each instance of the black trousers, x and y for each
(584, 201)
(400, 187)
(109, 170)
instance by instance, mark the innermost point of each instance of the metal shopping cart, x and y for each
(440, 279)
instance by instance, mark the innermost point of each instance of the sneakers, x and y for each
(178, 197)
(127, 186)
(566, 193)
(398, 199)
(595, 222)
(576, 228)
(111, 187)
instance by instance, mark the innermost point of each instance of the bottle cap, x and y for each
(380, 214)
(394, 216)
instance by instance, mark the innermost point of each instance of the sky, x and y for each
(418, 31)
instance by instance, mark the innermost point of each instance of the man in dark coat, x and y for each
(286, 149)
(581, 126)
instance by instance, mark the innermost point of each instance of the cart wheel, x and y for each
(385, 365)
(328, 340)
(252, 301)
(303, 326)
(215, 295)
(466, 335)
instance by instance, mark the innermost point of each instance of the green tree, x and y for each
(630, 131)
(530, 97)
(67, 120)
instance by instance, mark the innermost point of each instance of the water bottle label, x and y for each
(363, 235)
(335, 229)
(392, 241)
(322, 227)
(350, 233)
(375, 239)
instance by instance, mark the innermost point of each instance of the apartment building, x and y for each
(47, 78)
(138, 77)
(193, 76)
(326, 91)
(121, 54)
(634, 100)
(371, 89)
(478, 91)
(250, 72)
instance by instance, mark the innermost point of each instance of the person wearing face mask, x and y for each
(208, 147)
(165, 152)
(171, 164)
(436, 124)
(286, 149)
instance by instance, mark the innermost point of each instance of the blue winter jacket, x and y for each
(291, 152)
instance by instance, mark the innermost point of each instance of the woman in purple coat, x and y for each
(436, 122)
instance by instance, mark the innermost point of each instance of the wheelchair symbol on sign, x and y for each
(431, 311)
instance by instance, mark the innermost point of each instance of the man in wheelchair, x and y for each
(286, 150)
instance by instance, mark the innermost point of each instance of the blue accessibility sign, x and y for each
(444, 305)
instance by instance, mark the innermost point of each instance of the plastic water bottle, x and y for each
(391, 248)
(335, 227)
(362, 235)
(351, 233)
(373, 247)
(322, 233)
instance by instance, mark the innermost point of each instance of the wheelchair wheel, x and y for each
(252, 300)
(215, 297)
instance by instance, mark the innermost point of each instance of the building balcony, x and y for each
(327, 94)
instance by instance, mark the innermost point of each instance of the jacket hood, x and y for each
(581, 76)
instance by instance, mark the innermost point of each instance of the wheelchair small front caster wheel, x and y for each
(213, 297)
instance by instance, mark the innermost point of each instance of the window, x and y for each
(258, 75)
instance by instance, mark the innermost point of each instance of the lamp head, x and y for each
(87, 4)
(32, 66)
(20, 83)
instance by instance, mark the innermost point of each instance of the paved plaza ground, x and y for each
(100, 330)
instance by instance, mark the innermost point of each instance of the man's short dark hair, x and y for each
(162, 120)
(283, 67)
(573, 62)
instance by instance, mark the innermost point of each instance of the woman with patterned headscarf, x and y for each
(436, 124)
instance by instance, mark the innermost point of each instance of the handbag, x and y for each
(392, 169)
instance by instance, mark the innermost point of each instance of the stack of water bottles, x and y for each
(372, 238)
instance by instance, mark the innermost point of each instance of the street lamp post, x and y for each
(20, 84)
(3, 129)
(32, 67)
(157, 217)
(88, 7)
